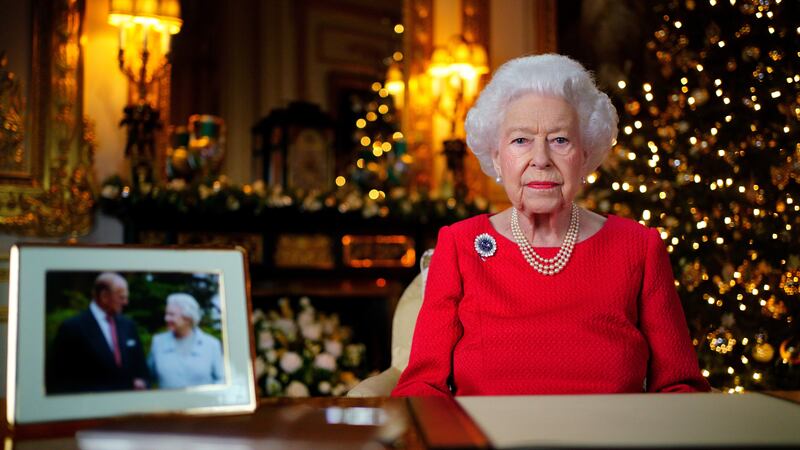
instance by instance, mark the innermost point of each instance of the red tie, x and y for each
(114, 341)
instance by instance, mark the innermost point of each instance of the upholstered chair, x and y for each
(405, 318)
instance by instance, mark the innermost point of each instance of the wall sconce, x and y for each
(455, 71)
(145, 31)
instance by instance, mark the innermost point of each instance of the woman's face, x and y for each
(176, 321)
(539, 154)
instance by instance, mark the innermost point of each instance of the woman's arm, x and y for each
(673, 362)
(438, 327)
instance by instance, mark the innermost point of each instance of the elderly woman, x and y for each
(547, 297)
(184, 355)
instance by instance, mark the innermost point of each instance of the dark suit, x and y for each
(81, 360)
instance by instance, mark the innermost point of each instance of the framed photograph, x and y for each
(108, 331)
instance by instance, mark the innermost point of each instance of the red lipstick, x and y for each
(542, 184)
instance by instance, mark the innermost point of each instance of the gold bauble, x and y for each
(178, 160)
(763, 352)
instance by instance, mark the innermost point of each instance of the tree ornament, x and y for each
(790, 282)
(763, 351)
(790, 351)
(721, 340)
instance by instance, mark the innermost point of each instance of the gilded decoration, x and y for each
(12, 128)
(46, 175)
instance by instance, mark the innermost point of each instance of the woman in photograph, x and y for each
(547, 297)
(184, 355)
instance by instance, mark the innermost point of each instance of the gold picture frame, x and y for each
(46, 151)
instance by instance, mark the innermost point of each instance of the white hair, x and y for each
(549, 74)
(188, 305)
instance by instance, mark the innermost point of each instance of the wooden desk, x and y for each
(413, 424)
(277, 423)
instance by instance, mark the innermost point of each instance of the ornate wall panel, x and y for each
(45, 186)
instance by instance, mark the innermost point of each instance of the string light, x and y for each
(688, 123)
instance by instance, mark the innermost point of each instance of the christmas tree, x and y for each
(708, 153)
(380, 159)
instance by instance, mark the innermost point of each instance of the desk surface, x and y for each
(277, 423)
(431, 423)
(699, 420)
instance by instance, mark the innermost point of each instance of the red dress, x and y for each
(610, 322)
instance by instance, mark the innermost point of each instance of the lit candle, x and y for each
(165, 39)
(122, 37)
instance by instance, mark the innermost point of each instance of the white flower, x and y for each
(306, 317)
(330, 324)
(274, 387)
(287, 327)
(333, 347)
(312, 332)
(324, 387)
(325, 361)
(272, 371)
(265, 340)
(258, 316)
(296, 389)
(260, 367)
(305, 302)
(290, 362)
(271, 355)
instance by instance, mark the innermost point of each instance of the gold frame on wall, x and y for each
(50, 194)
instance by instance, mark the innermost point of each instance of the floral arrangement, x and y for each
(305, 354)
(221, 196)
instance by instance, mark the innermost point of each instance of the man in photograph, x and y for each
(99, 349)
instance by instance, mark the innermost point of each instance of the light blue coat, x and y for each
(202, 365)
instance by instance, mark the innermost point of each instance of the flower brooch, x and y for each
(485, 245)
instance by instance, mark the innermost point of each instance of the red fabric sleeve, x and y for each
(673, 362)
(438, 327)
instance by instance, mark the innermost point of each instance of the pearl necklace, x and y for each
(547, 266)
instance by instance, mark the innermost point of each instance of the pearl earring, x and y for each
(498, 180)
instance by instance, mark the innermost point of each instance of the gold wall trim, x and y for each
(53, 195)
